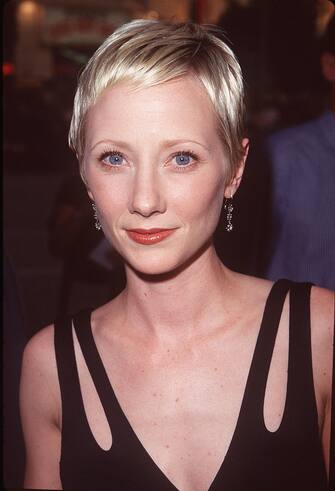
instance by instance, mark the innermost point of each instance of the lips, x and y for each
(149, 236)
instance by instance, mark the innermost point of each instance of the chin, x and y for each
(153, 264)
(164, 265)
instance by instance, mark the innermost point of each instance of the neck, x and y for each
(177, 304)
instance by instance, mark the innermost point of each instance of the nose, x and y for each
(147, 195)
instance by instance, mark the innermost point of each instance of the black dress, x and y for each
(289, 459)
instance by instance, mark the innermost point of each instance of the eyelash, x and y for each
(186, 153)
(107, 153)
(180, 168)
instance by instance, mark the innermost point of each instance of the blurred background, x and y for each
(45, 45)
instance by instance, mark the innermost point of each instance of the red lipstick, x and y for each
(149, 236)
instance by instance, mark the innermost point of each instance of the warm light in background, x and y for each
(28, 9)
(170, 9)
(7, 68)
(152, 15)
(29, 16)
(324, 12)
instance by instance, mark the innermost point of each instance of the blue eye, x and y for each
(114, 158)
(183, 159)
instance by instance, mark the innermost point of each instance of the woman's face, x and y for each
(155, 167)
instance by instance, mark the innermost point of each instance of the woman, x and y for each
(182, 381)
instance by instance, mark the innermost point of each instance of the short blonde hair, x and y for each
(149, 52)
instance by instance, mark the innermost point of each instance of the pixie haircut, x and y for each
(146, 53)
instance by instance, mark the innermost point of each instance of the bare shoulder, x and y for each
(322, 303)
(39, 350)
(322, 335)
(39, 369)
(323, 315)
(40, 410)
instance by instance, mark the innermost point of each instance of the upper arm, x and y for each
(40, 406)
(322, 322)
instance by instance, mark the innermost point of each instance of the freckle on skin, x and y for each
(177, 399)
(215, 369)
(167, 446)
(154, 394)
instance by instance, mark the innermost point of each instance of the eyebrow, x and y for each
(165, 144)
(110, 142)
(172, 143)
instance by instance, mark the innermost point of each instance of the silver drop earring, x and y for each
(97, 224)
(228, 206)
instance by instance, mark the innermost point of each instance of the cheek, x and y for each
(108, 192)
(112, 203)
(202, 201)
(211, 208)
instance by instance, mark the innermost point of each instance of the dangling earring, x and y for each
(97, 224)
(228, 206)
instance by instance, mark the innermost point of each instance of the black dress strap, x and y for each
(114, 413)
(68, 377)
(291, 457)
(253, 400)
(127, 450)
(300, 390)
(302, 412)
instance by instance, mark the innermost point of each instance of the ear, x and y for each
(89, 192)
(233, 186)
(328, 66)
(83, 178)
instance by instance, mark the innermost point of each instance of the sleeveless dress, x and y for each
(289, 459)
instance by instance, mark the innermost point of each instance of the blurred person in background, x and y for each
(302, 176)
(276, 44)
(189, 378)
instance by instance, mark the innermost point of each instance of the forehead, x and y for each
(179, 108)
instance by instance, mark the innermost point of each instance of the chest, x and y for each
(183, 405)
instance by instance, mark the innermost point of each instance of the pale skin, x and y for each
(173, 370)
